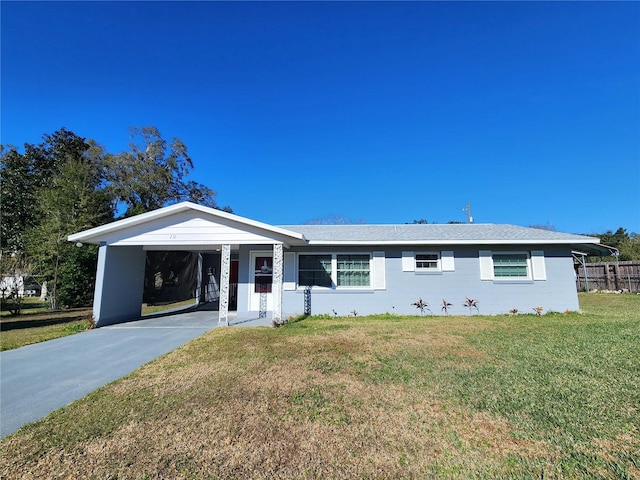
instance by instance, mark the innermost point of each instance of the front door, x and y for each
(261, 275)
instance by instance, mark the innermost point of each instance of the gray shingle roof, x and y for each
(433, 233)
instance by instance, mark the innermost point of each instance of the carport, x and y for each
(181, 227)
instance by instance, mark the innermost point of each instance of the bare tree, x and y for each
(332, 219)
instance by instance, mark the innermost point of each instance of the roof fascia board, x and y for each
(596, 249)
(444, 242)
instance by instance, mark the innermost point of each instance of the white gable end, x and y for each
(186, 225)
(188, 229)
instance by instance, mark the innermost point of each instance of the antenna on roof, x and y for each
(468, 210)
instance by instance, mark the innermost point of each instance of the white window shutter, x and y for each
(379, 280)
(408, 262)
(448, 264)
(486, 265)
(538, 265)
(289, 280)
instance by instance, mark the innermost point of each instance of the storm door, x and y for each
(261, 286)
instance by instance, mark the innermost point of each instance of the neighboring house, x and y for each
(12, 285)
(339, 269)
(20, 285)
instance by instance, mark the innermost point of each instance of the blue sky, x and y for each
(379, 112)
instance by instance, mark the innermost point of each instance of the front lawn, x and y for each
(555, 396)
(37, 324)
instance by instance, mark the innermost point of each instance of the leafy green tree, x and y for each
(614, 239)
(153, 174)
(18, 199)
(67, 184)
(628, 244)
(71, 199)
(23, 176)
(630, 247)
(72, 203)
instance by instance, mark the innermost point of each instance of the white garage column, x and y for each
(277, 284)
(119, 284)
(225, 270)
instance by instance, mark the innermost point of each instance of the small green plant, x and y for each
(445, 306)
(11, 299)
(421, 305)
(471, 303)
(296, 318)
(78, 327)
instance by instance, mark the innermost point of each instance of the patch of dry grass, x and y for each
(277, 407)
(339, 398)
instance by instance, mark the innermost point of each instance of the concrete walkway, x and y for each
(40, 378)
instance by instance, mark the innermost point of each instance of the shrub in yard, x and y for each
(77, 276)
(445, 306)
(470, 303)
(11, 300)
(421, 305)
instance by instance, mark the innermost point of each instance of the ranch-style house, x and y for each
(280, 271)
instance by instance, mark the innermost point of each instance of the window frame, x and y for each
(334, 272)
(436, 269)
(331, 276)
(446, 262)
(369, 271)
(499, 278)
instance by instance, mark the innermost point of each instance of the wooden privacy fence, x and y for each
(623, 276)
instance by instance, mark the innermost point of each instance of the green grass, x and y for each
(565, 380)
(37, 324)
(30, 306)
(19, 336)
(555, 396)
(159, 308)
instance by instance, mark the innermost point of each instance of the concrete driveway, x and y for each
(38, 379)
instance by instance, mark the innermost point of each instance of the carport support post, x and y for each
(223, 314)
(277, 284)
